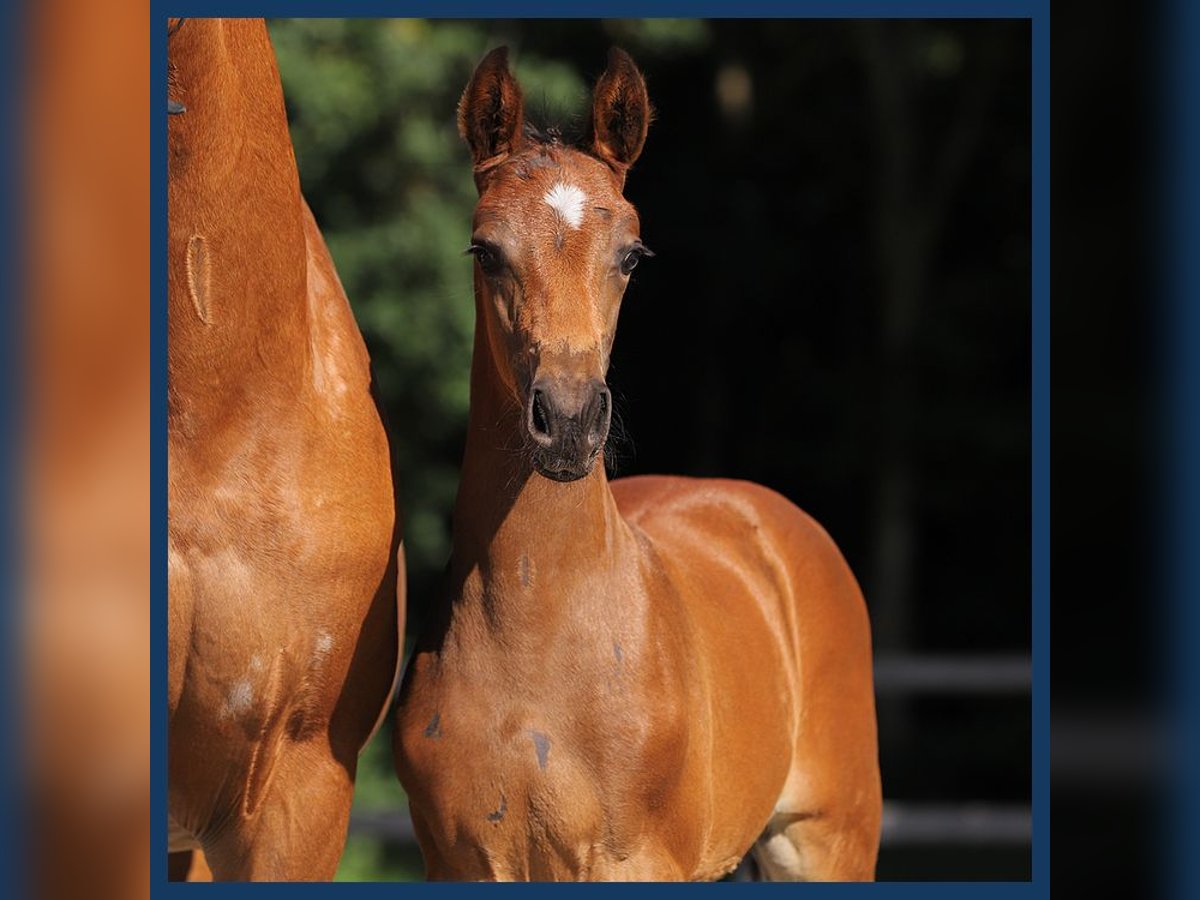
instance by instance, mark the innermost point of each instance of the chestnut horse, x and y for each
(285, 599)
(639, 680)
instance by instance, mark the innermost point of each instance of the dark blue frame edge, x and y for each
(1037, 11)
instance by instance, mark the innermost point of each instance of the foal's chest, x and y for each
(505, 792)
(519, 783)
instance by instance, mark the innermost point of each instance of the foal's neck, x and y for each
(521, 541)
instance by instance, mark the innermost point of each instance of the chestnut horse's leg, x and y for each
(824, 847)
(178, 865)
(298, 831)
(188, 865)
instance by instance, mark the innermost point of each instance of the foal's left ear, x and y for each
(620, 112)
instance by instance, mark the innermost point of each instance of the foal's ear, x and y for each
(620, 112)
(491, 113)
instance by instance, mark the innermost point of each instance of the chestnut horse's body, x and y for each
(637, 680)
(284, 595)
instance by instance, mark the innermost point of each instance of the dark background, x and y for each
(839, 308)
(1111, 740)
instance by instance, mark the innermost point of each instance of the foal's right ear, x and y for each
(491, 113)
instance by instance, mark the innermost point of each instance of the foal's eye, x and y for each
(631, 258)
(488, 258)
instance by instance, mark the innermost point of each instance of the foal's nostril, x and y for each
(602, 409)
(538, 418)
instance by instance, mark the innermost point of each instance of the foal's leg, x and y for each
(178, 865)
(298, 830)
(817, 847)
(649, 863)
(187, 865)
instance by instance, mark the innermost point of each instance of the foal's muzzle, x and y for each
(568, 423)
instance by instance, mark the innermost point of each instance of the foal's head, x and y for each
(554, 242)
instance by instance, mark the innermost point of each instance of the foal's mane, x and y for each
(546, 135)
(542, 130)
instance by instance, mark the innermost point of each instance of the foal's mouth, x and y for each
(566, 426)
(563, 470)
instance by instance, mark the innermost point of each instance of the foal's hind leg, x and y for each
(817, 847)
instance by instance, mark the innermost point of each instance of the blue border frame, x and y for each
(14, 875)
(1037, 11)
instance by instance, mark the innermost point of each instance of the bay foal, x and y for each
(284, 601)
(636, 680)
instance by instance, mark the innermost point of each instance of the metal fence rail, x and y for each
(960, 824)
(975, 824)
(953, 675)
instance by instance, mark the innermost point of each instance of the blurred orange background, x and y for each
(86, 453)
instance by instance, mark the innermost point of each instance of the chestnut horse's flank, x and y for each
(637, 680)
(285, 602)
